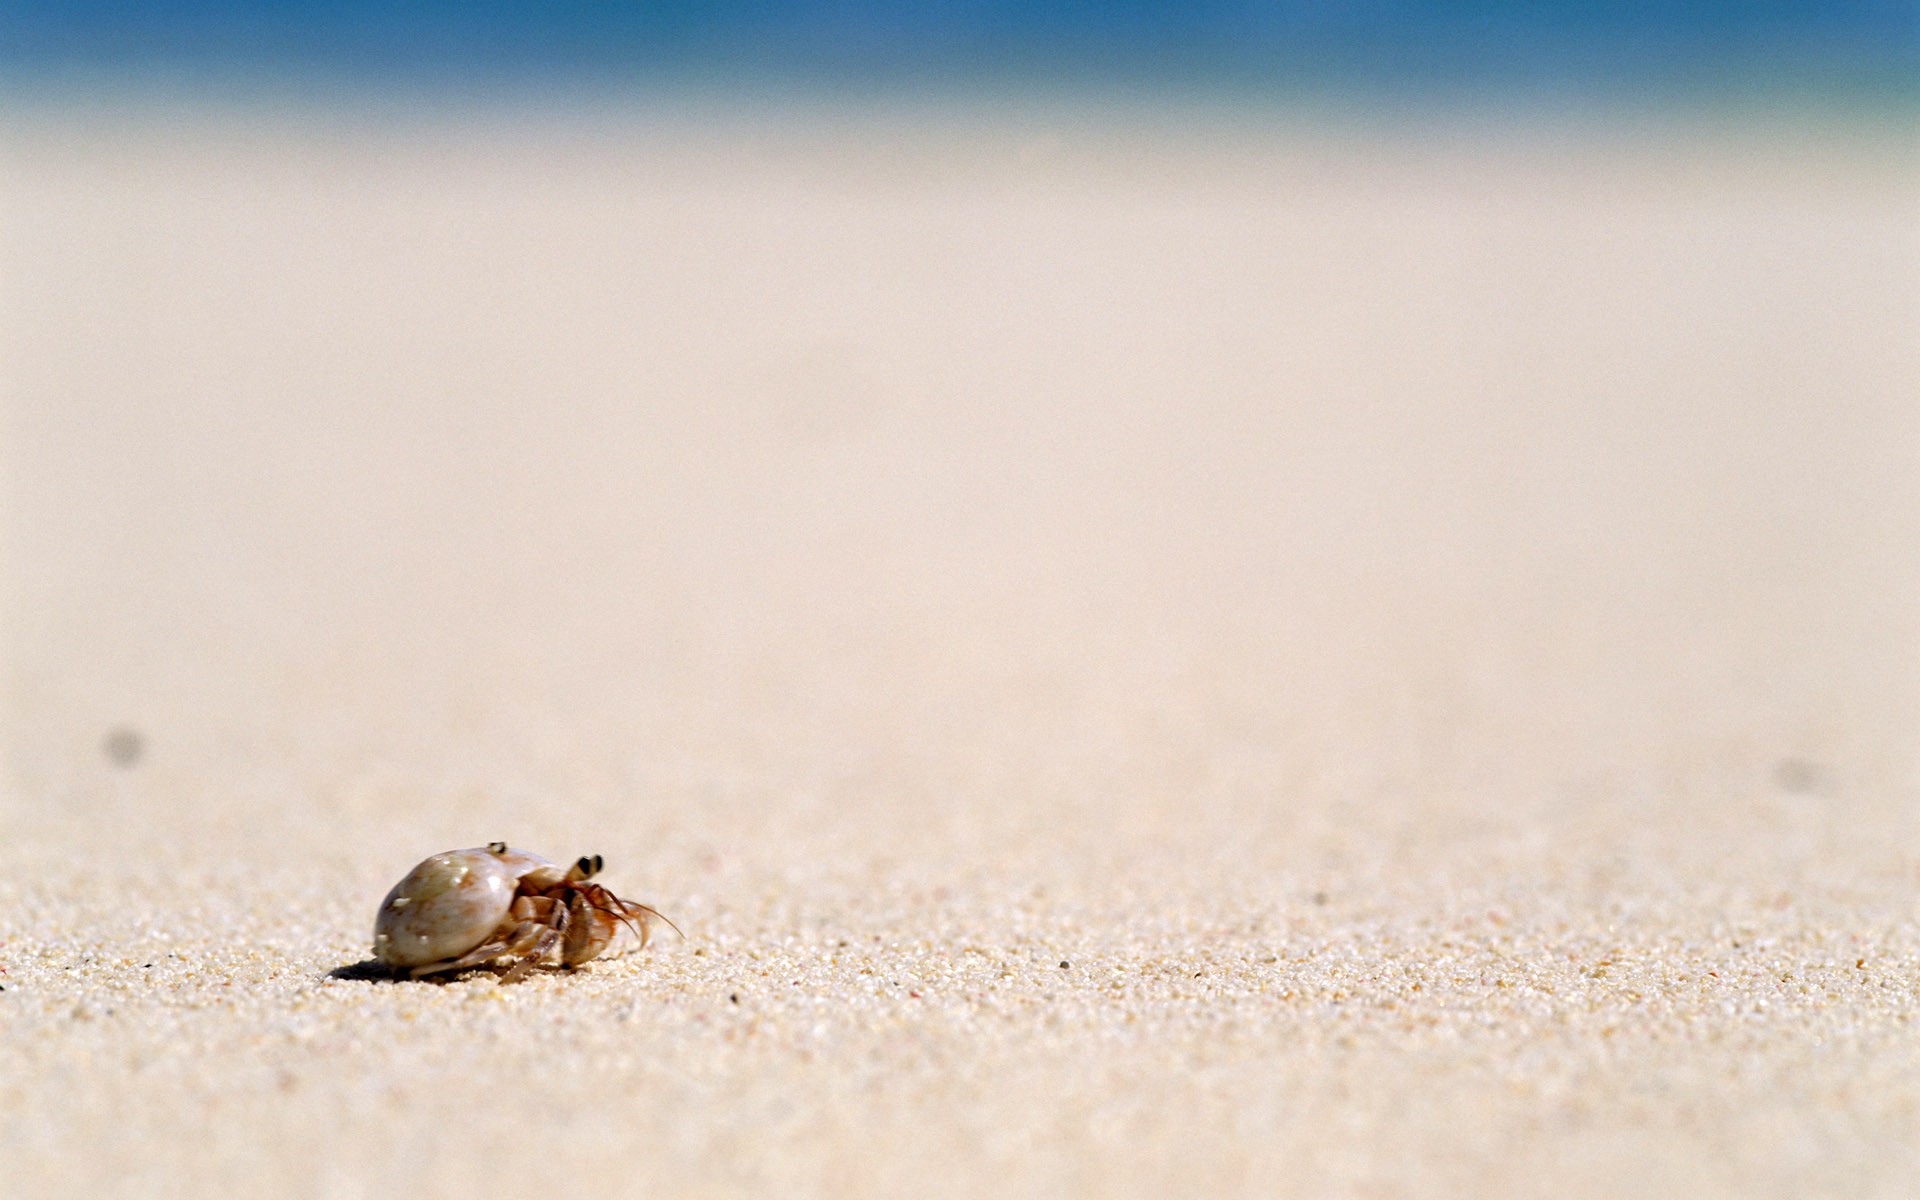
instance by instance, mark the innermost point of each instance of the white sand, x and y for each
(1426, 625)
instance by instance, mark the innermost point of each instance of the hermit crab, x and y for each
(471, 908)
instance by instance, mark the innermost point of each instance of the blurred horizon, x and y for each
(1862, 54)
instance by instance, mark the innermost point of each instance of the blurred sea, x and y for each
(1856, 51)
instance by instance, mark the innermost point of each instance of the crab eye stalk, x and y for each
(496, 847)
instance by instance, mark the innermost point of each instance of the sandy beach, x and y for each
(1147, 657)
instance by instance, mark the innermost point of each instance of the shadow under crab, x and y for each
(372, 970)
